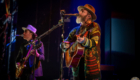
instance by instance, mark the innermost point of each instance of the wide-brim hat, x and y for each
(90, 9)
(31, 28)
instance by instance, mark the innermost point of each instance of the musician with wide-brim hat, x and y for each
(87, 66)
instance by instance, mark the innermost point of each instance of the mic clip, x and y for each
(62, 12)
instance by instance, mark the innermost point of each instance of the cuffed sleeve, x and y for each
(41, 52)
(86, 44)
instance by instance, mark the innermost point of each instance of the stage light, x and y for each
(135, 78)
(1, 1)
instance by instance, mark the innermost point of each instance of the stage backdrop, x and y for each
(43, 14)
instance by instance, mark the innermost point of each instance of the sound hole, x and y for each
(72, 53)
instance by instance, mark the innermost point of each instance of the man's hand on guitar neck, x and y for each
(35, 51)
(65, 45)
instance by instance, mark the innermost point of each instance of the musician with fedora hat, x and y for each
(24, 54)
(88, 67)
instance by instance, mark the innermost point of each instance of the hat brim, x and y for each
(24, 28)
(94, 17)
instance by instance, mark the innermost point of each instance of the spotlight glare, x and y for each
(135, 78)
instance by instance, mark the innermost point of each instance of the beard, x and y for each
(80, 19)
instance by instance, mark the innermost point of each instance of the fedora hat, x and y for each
(90, 9)
(31, 28)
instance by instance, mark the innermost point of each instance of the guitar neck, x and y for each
(26, 58)
(50, 30)
(28, 54)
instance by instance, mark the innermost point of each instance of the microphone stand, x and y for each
(39, 38)
(34, 60)
(62, 53)
(60, 23)
(45, 33)
(62, 13)
(34, 47)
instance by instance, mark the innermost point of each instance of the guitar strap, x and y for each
(29, 50)
(78, 30)
(86, 34)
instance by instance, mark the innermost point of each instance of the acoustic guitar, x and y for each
(76, 51)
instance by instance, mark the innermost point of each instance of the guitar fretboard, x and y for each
(28, 54)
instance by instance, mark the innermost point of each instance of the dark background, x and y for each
(43, 14)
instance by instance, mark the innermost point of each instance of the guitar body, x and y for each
(19, 70)
(73, 55)
(76, 51)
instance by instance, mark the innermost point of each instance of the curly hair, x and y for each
(34, 35)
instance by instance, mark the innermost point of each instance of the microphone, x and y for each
(20, 35)
(62, 13)
(75, 14)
